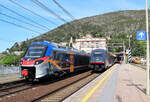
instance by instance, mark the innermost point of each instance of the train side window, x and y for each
(61, 57)
(54, 55)
(64, 57)
(57, 56)
(67, 58)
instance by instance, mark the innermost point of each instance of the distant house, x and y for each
(88, 43)
(64, 43)
(18, 52)
(1, 55)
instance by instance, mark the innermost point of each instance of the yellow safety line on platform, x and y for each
(97, 86)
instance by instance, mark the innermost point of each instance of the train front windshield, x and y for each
(98, 54)
(35, 52)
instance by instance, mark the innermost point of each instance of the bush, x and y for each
(10, 60)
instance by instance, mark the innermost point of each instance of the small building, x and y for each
(18, 52)
(88, 43)
(64, 43)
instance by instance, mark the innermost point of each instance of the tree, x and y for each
(139, 49)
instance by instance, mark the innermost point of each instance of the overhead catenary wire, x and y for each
(32, 12)
(18, 20)
(20, 26)
(48, 10)
(51, 12)
(69, 14)
(41, 26)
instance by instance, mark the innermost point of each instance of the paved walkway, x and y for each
(131, 85)
(121, 83)
(9, 78)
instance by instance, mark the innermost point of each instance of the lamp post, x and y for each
(129, 36)
(147, 34)
(124, 52)
(129, 49)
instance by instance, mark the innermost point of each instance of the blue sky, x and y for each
(9, 34)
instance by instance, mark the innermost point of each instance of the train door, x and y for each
(106, 60)
(71, 62)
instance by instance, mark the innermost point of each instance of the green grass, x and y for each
(3, 75)
(6, 75)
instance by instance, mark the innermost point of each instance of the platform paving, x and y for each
(124, 83)
(5, 78)
(131, 85)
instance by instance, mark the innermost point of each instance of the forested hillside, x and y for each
(115, 24)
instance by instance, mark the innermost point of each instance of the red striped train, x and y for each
(43, 59)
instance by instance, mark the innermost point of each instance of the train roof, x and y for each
(59, 47)
(98, 50)
(46, 43)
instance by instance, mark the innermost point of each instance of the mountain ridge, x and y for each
(114, 24)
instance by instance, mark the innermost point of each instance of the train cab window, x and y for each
(98, 55)
(35, 51)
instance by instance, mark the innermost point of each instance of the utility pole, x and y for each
(129, 49)
(124, 52)
(147, 33)
(129, 36)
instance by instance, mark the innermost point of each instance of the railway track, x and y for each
(44, 90)
(11, 84)
(62, 93)
(14, 87)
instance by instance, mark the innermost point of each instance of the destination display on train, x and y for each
(98, 52)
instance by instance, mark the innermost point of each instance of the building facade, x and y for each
(89, 43)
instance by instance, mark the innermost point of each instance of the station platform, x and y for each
(6, 78)
(120, 83)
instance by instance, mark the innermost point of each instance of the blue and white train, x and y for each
(101, 59)
(44, 59)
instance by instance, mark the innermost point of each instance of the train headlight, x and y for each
(39, 72)
(38, 62)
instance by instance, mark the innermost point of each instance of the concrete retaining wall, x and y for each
(9, 70)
